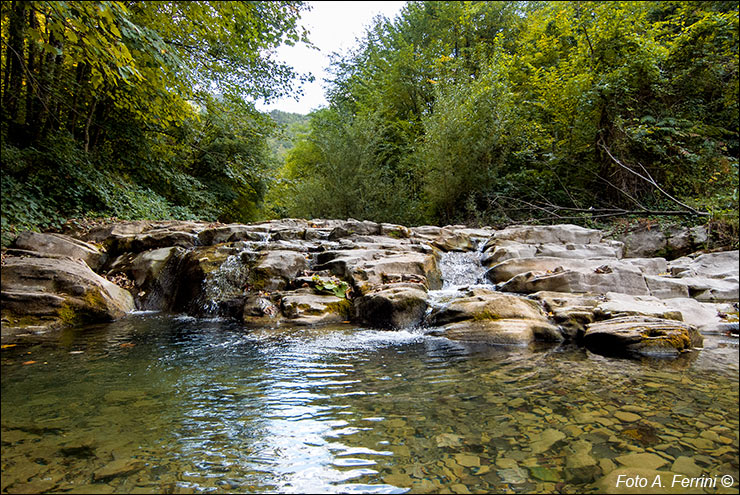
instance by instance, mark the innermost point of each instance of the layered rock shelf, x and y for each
(513, 286)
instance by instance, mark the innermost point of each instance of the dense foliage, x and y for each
(500, 111)
(138, 109)
(475, 112)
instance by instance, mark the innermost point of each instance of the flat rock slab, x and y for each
(540, 234)
(505, 331)
(61, 245)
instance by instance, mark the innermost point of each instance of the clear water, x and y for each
(178, 405)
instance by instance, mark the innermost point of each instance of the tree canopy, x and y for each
(501, 111)
(475, 112)
(140, 108)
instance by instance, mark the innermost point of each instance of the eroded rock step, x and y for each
(549, 283)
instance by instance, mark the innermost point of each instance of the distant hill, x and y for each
(291, 125)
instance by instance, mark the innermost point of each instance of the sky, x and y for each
(333, 27)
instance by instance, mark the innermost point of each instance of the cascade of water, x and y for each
(460, 270)
(228, 280)
(225, 282)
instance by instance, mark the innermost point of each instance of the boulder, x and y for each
(644, 241)
(497, 251)
(721, 265)
(506, 331)
(54, 292)
(120, 229)
(483, 315)
(453, 240)
(666, 287)
(616, 305)
(305, 307)
(711, 289)
(368, 269)
(485, 304)
(426, 232)
(155, 275)
(510, 268)
(669, 241)
(61, 245)
(276, 269)
(392, 306)
(353, 227)
(641, 335)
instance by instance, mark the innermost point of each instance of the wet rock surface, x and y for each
(548, 283)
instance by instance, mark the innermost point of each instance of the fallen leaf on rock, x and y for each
(127, 344)
(7, 346)
(29, 362)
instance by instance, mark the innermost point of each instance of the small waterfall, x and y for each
(224, 283)
(460, 270)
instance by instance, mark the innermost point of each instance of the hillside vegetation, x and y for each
(453, 112)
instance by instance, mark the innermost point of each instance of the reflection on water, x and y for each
(178, 405)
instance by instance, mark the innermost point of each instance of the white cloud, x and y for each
(333, 27)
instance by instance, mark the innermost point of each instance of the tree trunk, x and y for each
(14, 67)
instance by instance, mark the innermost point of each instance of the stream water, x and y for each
(168, 404)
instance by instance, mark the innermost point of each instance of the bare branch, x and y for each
(649, 179)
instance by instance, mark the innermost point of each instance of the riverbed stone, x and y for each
(543, 441)
(119, 467)
(686, 465)
(644, 460)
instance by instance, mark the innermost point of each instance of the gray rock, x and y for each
(392, 306)
(305, 307)
(665, 287)
(450, 239)
(497, 251)
(486, 304)
(491, 317)
(540, 234)
(276, 269)
(155, 275)
(54, 292)
(230, 233)
(625, 280)
(61, 245)
(505, 331)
